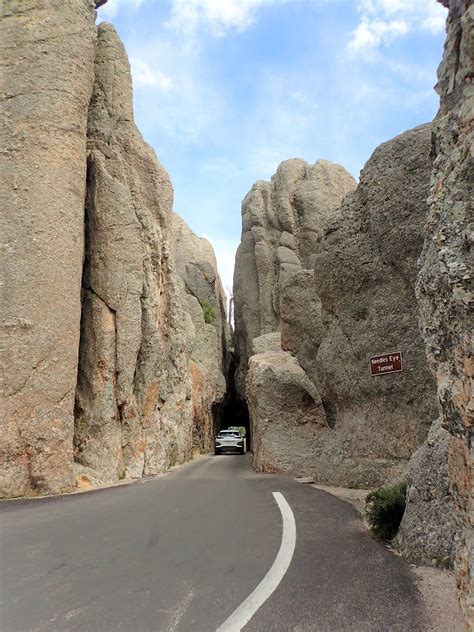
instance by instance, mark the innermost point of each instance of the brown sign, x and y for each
(386, 363)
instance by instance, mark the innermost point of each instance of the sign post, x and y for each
(386, 363)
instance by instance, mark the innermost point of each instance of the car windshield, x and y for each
(227, 433)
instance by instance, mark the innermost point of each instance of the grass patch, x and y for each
(208, 312)
(384, 510)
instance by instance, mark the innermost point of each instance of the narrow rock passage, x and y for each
(233, 409)
(183, 551)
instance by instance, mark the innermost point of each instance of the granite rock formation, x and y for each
(110, 380)
(286, 411)
(208, 330)
(47, 52)
(364, 276)
(282, 221)
(437, 526)
(133, 398)
(357, 300)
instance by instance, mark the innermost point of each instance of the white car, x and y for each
(229, 441)
(243, 433)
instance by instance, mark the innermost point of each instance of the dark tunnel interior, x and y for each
(233, 410)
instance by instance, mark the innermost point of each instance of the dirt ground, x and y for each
(437, 587)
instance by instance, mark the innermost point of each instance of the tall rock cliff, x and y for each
(109, 381)
(314, 406)
(208, 330)
(364, 276)
(133, 398)
(47, 78)
(437, 525)
(282, 221)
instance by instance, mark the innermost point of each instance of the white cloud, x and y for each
(384, 20)
(110, 10)
(173, 93)
(144, 75)
(417, 9)
(370, 33)
(299, 97)
(435, 22)
(219, 16)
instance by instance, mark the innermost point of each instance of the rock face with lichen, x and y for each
(118, 378)
(353, 298)
(208, 330)
(437, 526)
(48, 53)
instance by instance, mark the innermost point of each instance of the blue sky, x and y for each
(224, 90)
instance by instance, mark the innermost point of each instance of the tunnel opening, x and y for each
(232, 410)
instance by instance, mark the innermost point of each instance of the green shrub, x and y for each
(384, 510)
(208, 313)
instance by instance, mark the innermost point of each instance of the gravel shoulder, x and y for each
(437, 587)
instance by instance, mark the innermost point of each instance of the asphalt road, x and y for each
(182, 552)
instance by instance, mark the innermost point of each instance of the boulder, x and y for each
(286, 414)
(431, 528)
(268, 343)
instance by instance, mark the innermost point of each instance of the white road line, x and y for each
(240, 617)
